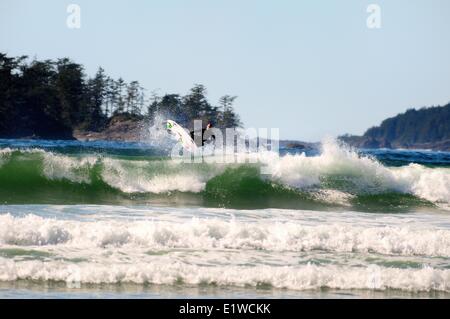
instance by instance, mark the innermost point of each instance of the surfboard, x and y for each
(181, 134)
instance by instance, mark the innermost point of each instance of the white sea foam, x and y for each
(290, 249)
(430, 183)
(5, 154)
(59, 167)
(363, 173)
(333, 196)
(295, 278)
(154, 176)
(200, 234)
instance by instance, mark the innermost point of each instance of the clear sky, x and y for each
(310, 68)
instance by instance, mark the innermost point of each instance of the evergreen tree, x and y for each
(10, 90)
(96, 93)
(195, 104)
(49, 99)
(153, 107)
(132, 99)
(41, 113)
(120, 107)
(113, 94)
(172, 106)
(228, 118)
(69, 84)
(140, 101)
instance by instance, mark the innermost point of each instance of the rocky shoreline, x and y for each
(126, 129)
(132, 130)
(372, 143)
(118, 129)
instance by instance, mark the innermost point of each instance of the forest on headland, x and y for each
(425, 128)
(51, 99)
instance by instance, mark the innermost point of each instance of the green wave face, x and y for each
(243, 187)
(23, 179)
(41, 177)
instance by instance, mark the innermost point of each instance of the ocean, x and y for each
(124, 220)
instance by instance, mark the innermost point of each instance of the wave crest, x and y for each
(217, 234)
(337, 176)
(295, 278)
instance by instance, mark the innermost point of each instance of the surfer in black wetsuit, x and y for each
(204, 138)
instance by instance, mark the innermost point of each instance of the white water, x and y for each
(366, 174)
(218, 233)
(295, 278)
(290, 249)
(360, 174)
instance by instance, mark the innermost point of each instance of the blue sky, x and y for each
(310, 68)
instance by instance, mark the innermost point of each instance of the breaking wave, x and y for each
(338, 176)
(203, 234)
(222, 253)
(295, 278)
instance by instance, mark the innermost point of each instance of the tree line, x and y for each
(51, 98)
(426, 125)
(415, 126)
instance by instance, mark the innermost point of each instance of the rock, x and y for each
(119, 128)
(296, 145)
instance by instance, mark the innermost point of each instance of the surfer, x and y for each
(206, 137)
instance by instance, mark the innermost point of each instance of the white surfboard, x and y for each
(183, 137)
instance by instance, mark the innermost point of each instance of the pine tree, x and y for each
(140, 101)
(195, 104)
(10, 95)
(41, 114)
(153, 107)
(69, 84)
(172, 106)
(94, 99)
(113, 94)
(132, 99)
(228, 118)
(121, 85)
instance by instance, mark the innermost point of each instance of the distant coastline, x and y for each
(125, 128)
(54, 99)
(425, 128)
